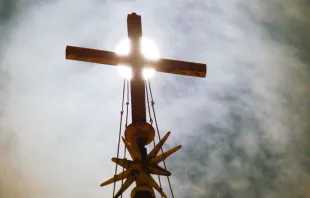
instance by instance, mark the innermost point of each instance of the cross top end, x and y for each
(134, 26)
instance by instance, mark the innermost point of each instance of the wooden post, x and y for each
(137, 83)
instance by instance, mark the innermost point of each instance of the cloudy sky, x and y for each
(244, 129)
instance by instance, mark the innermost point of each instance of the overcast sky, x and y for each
(244, 129)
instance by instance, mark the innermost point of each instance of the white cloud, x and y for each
(60, 118)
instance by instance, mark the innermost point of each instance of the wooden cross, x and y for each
(137, 62)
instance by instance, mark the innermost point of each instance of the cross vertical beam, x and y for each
(137, 84)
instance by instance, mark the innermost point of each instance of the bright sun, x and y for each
(148, 50)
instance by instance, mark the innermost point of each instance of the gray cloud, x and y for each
(244, 128)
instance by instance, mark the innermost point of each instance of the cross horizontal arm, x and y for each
(181, 67)
(91, 55)
(111, 58)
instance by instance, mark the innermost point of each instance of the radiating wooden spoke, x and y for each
(123, 162)
(153, 183)
(157, 148)
(163, 156)
(155, 169)
(127, 183)
(118, 177)
(134, 155)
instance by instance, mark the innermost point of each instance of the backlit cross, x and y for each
(137, 62)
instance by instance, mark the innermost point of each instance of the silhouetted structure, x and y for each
(139, 133)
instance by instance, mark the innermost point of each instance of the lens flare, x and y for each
(123, 48)
(149, 49)
(125, 71)
(148, 73)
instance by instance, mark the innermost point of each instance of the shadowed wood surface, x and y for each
(91, 55)
(182, 68)
(111, 58)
